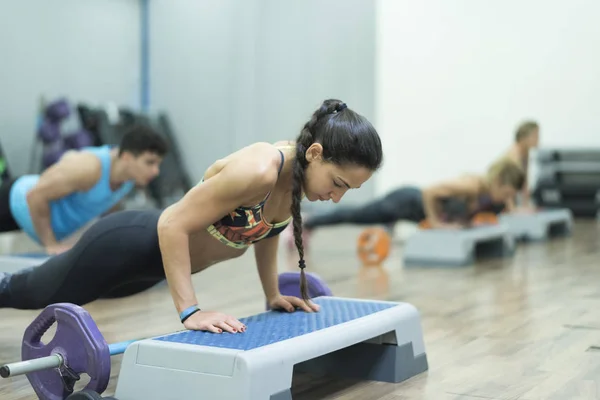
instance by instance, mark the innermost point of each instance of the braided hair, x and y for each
(347, 138)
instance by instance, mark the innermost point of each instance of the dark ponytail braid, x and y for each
(308, 135)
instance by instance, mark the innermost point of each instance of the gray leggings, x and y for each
(404, 203)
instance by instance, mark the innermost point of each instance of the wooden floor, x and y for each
(523, 328)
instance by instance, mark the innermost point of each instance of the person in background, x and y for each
(449, 204)
(527, 137)
(81, 186)
(243, 200)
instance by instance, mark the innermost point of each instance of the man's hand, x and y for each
(58, 248)
(525, 210)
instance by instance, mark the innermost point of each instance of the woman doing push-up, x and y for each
(246, 198)
(449, 204)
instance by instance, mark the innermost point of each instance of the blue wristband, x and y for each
(185, 314)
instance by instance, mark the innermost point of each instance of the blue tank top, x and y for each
(70, 213)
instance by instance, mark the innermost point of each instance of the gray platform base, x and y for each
(453, 248)
(365, 361)
(368, 361)
(540, 225)
(12, 264)
(382, 344)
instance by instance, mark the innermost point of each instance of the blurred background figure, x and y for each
(527, 138)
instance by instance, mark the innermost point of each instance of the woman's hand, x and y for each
(290, 303)
(213, 322)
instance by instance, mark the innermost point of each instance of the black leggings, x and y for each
(117, 256)
(405, 203)
(7, 222)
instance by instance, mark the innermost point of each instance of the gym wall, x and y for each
(84, 50)
(455, 78)
(233, 72)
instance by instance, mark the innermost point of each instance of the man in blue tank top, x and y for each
(80, 187)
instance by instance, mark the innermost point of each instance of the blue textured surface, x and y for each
(275, 326)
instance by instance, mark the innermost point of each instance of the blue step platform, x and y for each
(352, 338)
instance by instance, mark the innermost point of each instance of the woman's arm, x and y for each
(239, 182)
(265, 253)
(466, 186)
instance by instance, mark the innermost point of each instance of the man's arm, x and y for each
(525, 192)
(510, 205)
(74, 172)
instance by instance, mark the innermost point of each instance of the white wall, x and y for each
(192, 64)
(84, 50)
(455, 78)
(236, 72)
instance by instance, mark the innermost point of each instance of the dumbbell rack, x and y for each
(4, 171)
(568, 178)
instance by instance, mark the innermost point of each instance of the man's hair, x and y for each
(525, 129)
(140, 139)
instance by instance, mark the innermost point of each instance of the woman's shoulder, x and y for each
(260, 157)
(257, 161)
(269, 148)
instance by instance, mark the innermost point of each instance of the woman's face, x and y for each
(328, 181)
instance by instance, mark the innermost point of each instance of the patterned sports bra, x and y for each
(245, 226)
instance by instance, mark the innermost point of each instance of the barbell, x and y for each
(78, 347)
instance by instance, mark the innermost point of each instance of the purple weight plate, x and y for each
(77, 340)
(289, 285)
